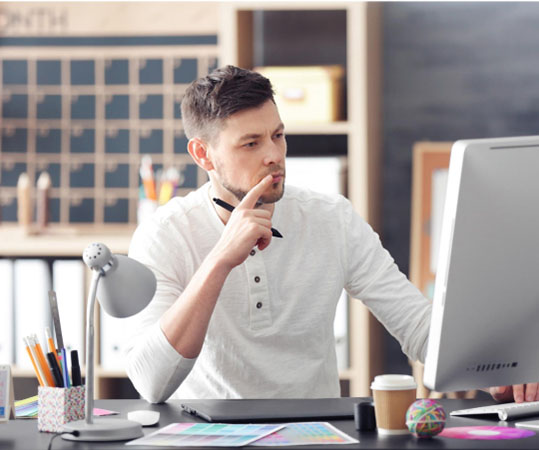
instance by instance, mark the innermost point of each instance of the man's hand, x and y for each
(247, 227)
(517, 393)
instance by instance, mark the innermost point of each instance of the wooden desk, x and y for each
(22, 433)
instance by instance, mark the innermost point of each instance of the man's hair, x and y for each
(208, 101)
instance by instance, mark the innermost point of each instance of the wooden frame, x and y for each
(427, 157)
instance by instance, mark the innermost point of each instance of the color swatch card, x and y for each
(206, 435)
(306, 433)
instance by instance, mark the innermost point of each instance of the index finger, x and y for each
(249, 201)
(518, 393)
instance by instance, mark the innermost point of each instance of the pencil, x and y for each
(38, 374)
(42, 361)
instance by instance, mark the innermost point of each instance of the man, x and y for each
(240, 312)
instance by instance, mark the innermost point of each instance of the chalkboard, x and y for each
(451, 71)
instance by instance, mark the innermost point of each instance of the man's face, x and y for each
(250, 146)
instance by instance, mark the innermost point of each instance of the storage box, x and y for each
(307, 94)
(58, 406)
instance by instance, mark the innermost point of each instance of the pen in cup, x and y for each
(76, 378)
(50, 342)
(65, 371)
(55, 369)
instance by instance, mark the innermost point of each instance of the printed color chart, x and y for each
(306, 433)
(204, 434)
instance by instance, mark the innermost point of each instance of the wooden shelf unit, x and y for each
(58, 242)
(362, 128)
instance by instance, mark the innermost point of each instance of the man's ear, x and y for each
(198, 149)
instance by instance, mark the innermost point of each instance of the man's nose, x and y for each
(274, 154)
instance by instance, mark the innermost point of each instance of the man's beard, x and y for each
(239, 194)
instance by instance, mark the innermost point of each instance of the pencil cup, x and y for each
(58, 406)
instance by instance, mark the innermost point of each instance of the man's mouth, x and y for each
(277, 177)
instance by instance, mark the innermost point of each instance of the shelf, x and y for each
(289, 6)
(110, 373)
(318, 128)
(99, 372)
(346, 374)
(240, 27)
(64, 241)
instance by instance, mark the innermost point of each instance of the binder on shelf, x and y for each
(325, 174)
(6, 311)
(68, 282)
(32, 313)
(328, 176)
(112, 335)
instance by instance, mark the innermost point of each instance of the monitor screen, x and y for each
(485, 321)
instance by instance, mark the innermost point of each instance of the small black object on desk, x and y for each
(364, 417)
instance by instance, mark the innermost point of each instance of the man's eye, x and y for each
(250, 144)
(279, 135)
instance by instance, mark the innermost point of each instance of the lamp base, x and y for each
(103, 429)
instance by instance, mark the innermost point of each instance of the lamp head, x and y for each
(126, 286)
(96, 256)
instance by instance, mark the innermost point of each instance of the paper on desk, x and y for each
(27, 409)
(206, 435)
(306, 433)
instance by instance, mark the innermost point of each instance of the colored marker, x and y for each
(75, 369)
(65, 371)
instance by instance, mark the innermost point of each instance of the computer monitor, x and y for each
(485, 320)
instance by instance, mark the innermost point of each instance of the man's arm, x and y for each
(185, 323)
(165, 339)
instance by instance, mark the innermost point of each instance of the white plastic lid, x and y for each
(393, 383)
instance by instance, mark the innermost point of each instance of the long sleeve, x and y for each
(155, 368)
(375, 279)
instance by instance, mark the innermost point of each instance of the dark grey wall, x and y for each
(451, 71)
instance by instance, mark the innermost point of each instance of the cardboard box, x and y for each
(307, 94)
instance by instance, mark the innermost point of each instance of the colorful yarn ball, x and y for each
(425, 418)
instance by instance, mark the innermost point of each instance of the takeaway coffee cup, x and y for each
(393, 394)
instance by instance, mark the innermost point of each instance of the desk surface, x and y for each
(22, 433)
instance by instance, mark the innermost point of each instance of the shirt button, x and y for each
(252, 253)
(259, 305)
(257, 279)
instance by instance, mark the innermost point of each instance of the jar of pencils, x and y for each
(57, 406)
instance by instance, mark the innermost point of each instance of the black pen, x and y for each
(230, 208)
(76, 379)
(55, 369)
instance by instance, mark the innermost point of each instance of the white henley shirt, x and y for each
(271, 333)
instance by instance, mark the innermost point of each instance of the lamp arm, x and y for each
(89, 406)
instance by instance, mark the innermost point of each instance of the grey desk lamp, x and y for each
(124, 287)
